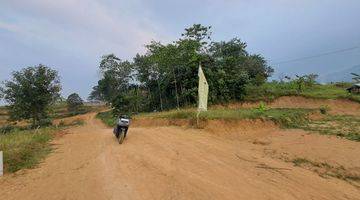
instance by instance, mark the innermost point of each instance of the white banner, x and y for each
(203, 91)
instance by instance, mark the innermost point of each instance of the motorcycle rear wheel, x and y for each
(121, 136)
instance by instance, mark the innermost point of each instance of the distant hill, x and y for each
(338, 76)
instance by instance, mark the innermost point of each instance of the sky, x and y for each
(72, 35)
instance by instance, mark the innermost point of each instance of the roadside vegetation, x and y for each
(107, 118)
(25, 148)
(26, 123)
(272, 90)
(325, 170)
(345, 126)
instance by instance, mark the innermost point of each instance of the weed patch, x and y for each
(272, 90)
(327, 170)
(339, 125)
(26, 148)
(107, 117)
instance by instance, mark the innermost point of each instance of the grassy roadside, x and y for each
(345, 126)
(273, 90)
(25, 148)
(107, 118)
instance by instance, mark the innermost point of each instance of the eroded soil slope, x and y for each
(337, 106)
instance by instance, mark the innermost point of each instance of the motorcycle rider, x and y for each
(122, 122)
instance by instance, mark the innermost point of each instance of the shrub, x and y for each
(6, 129)
(74, 103)
(62, 123)
(324, 109)
(42, 123)
(262, 107)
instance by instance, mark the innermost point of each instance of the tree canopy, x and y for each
(30, 92)
(165, 76)
(74, 102)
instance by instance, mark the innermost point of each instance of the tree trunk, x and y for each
(161, 102)
(176, 92)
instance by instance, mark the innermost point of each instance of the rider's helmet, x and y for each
(124, 116)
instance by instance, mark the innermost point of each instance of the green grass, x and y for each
(107, 117)
(271, 91)
(26, 148)
(344, 126)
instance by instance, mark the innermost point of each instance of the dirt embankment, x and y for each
(337, 106)
(223, 128)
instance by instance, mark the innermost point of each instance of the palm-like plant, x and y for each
(356, 77)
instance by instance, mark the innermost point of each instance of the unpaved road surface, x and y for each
(179, 163)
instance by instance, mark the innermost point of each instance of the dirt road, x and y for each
(177, 163)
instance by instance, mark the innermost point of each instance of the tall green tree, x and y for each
(30, 92)
(115, 78)
(165, 77)
(74, 103)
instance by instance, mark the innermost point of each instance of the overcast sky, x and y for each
(71, 35)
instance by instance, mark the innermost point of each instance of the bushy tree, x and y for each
(30, 92)
(116, 76)
(74, 103)
(166, 75)
(301, 82)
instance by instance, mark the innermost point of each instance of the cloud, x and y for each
(90, 27)
(9, 27)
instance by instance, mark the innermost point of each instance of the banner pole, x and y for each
(197, 119)
(1, 164)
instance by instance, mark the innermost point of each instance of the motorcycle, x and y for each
(121, 128)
